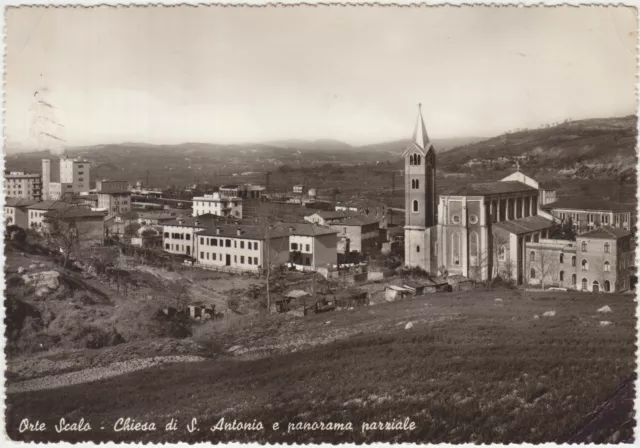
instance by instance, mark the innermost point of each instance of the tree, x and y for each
(62, 233)
(545, 266)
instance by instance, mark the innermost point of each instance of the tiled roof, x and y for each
(358, 220)
(586, 203)
(18, 202)
(329, 214)
(605, 233)
(524, 225)
(204, 221)
(113, 191)
(489, 188)
(308, 229)
(74, 212)
(49, 205)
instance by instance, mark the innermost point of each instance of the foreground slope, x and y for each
(464, 367)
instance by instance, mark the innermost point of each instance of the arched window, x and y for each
(532, 256)
(607, 248)
(561, 258)
(415, 206)
(584, 284)
(418, 161)
(607, 286)
(596, 286)
(583, 246)
(415, 184)
(455, 249)
(417, 248)
(473, 249)
(607, 266)
(533, 273)
(574, 279)
(502, 254)
(411, 159)
(585, 265)
(573, 260)
(561, 276)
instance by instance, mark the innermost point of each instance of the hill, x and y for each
(605, 145)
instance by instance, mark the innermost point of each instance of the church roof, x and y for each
(489, 188)
(420, 136)
(525, 225)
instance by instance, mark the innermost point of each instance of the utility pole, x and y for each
(147, 184)
(393, 195)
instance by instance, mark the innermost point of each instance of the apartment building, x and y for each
(242, 247)
(178, 234)
(19, 184)
(72, 177)
(217, 204)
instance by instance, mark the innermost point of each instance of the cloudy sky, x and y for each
(212, 74)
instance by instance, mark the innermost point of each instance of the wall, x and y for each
(596, 258)
(325, 250)
(181, 242)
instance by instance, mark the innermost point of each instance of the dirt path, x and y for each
(96, 373)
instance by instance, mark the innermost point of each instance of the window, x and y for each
(607, 286)
(241, 244)
(607, 248)
(532, 256)
(235, 258)
(415, 184)
(255, 260)
(417, 248)
(595, 287)
(573, 260)
(583, 246)
(227, 243)
(188, 237)
(249, 260)
(201, 254)
(607, 266)
(415, 206)
(235, 244)
(455, 249)
(214, 241)
(561, 276)
(502, 253)
(533, 273)
(207, 255)
(294, 246)
(585, 265)
(473, 219)
(307, 248)
(456, 219)
(584, 284)
(411, 159)
(418, 159)
(574, 279)
(561, 258)
(166, 234)
(166, 246)
(242, 259)
(473, 248)
(213, 256)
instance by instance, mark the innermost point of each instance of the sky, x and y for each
(236, 74)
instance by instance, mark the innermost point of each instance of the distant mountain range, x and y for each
(607, 145)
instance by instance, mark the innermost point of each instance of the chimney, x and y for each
(239, 231)
(290, 229)
(180, 221)
(196, 223)
(217, 230)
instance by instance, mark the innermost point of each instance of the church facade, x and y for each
(469, 230)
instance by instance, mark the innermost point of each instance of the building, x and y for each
(606, 259)
(73, 177)
(600, 260)
(245, 191)
(546, 190)
(420, 200)
(217, 204)
(506, 254)
(86, 225)
(107, 185)
(87, 200)
(312, 247)
(155, 218)
(16, 212)
(37, 211)
(356, 232)
(178, 235)
(590, 213)
(242, 247)
(18, 184)
(298, 189)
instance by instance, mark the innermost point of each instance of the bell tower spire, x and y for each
(420, 136)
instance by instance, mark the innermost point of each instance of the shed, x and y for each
(351, 297)
(393, 292)
(460, 282)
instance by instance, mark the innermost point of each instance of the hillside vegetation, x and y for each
(474, 367)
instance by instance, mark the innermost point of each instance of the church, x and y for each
(473, 229)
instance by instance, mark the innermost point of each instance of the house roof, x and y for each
(113, 191)
(157, 216)
(524, 225)
(308, 229)
(74, 212)
(206, 220)
(246, 232)
(587, 203)
(18, 202)
(358, 220)
(329, 214)
(489, 188)
(49, 205)
(295, 293)
(605, 232)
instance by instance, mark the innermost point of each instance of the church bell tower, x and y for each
(420, 200)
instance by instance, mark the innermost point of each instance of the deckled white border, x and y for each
(286, 3)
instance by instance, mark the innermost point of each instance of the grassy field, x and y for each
(469, 368)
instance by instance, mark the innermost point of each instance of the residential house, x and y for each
(217, 204)
(16, 213)
(179, 234)
(87, 225)
(36, 212)
(312, 247)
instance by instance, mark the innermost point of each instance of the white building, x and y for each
(19, 184)
(242, 247)
(217, 204)
(178, 235)
(312, 247)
